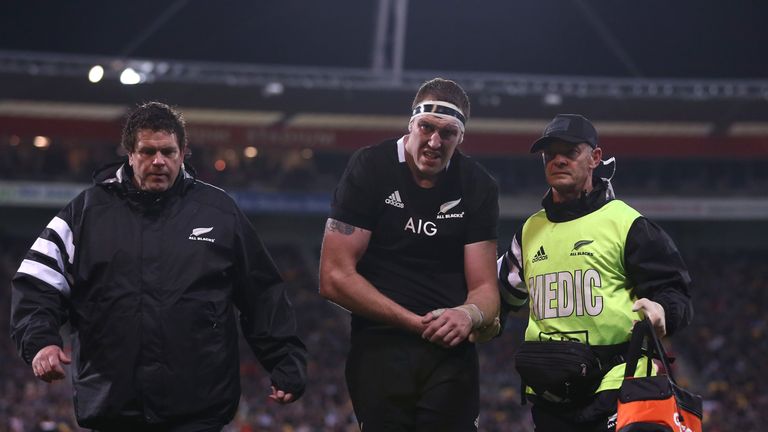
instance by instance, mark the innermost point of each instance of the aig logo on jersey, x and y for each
(419, 226)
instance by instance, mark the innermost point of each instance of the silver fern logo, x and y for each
(197, 232)
(580, 244)
(200, 231)
(444, 207)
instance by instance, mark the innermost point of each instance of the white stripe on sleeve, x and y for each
(514, 266)
(45, 274)
(513, 290)
(65, 233)
(513, 277)
(49, 248)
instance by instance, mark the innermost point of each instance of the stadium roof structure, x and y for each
(659, 78)
(614, 61)
(652, 39)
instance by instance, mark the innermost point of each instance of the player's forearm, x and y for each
(486, 298)
(482, 284)
(354, 293)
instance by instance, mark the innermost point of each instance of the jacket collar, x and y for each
(118, 177)
(601, 194)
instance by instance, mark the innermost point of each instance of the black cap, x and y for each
(572, 128)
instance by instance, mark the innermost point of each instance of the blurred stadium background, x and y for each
(277, 94)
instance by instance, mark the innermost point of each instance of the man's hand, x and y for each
(655, 314)
(47, 364)
(280, 396)
(446, 327)
(486, 333)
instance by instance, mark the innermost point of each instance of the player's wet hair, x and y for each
(445, 90)
(157, 117)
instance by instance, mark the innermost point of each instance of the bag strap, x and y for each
(635, 347)
(610, 355)
(660, 351)
(523, 397)
(642, 330)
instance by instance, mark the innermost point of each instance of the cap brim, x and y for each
(544, 141)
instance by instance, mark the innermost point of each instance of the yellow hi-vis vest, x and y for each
(577, 281)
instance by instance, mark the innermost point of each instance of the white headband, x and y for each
(444, 110)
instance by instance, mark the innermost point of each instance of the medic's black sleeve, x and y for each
(657, 270)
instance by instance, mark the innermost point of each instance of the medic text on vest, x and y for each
(562, 294)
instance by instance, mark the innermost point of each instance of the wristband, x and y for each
(473, 312)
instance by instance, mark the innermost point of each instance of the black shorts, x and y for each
(595, 415)
(399, 382)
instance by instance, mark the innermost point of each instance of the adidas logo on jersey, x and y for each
(394, 200)
(540, 255)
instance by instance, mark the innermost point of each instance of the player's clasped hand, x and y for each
(486, 333)
(446, 327)
(47, 364)
(280, 396)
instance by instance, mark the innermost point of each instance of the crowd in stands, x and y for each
(721, 356)
(727, 348)
(641, 176)
(307, 170)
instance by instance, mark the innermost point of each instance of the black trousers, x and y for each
(595, 415)
(399, 382)
(130, 425)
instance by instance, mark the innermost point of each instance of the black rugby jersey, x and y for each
(416, 251)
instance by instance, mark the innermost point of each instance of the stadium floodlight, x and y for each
(273, 88)
(96, 74)
(552, 99)
(274, 81)
(130, 76)
(250, 152)
(41, 142)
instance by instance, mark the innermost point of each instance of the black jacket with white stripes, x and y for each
(653, 262)
(148, 283)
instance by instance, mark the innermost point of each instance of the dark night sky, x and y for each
(619, 38)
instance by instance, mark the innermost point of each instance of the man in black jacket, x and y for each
(146, 265)
(590, 265)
